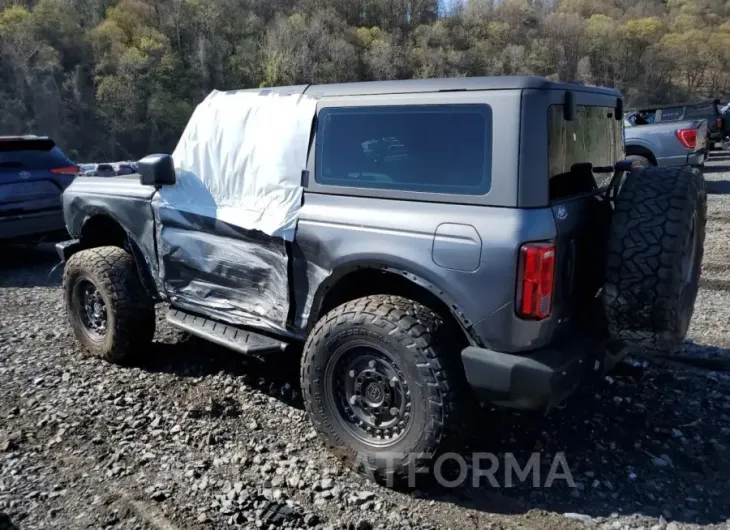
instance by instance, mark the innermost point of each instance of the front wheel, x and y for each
(376, 388)
(107, 306)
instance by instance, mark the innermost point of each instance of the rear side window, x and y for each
(673, 114)
(419, 148)
(33, 159)
(594, 137)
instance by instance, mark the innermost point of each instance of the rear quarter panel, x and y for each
(464, 249)
(337, 234)
(661, 140)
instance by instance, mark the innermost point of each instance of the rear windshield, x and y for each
(594, 137)
(29, 160)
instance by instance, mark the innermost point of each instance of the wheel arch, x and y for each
(101, 229)
(640, 150)
(353, 281)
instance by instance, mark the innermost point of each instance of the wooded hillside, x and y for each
(114, 80)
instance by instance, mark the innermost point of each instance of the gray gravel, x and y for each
(196, 437)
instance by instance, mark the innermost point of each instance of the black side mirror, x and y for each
(157, 171)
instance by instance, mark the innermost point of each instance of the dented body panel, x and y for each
(223, 271)
(124, 201)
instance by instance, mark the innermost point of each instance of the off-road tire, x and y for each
(130, 311)
(423, 348)
(648, 296)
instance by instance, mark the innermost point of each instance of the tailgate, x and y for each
(28, 191)
(18, 198)
(583, 226)
(702, 137)
(33, 174)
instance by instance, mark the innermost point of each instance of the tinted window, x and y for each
(423, 148)
(34, 159)
(595, 136)
(673, 114)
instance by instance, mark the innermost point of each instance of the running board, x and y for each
(240, 340)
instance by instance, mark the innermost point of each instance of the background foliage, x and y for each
(116, 79)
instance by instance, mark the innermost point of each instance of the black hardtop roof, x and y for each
(411, 86)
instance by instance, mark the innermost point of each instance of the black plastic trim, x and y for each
(537, 380)
(235, 338)
(66, 249)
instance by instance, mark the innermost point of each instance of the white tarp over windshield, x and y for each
(240, 160)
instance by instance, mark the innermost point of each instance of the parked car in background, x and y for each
(33, 174)
(725, 112)
(125, 169)
(109, 169)
(664, 143)
(104, 170)
(699, 110)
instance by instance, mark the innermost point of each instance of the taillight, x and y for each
(69, 170)
(535, 286)
(687, 137)
(719, 123)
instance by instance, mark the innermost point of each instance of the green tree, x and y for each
(119, 78)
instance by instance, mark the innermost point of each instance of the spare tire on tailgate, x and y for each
(655, 253)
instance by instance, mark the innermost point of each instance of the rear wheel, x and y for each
(107, 306)
(655, 256)
(639, 161)
(376, 386)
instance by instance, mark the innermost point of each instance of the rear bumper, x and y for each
(693, 159)
(697, 159)
(32, 225)
(538, 380)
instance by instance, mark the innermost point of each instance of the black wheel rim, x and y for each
(369, 394)
(91, 309)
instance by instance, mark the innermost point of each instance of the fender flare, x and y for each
(130, 244)
(341, 272)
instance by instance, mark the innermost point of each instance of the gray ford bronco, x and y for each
(460, 241)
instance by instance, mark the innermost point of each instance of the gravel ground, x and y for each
(196, 437)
